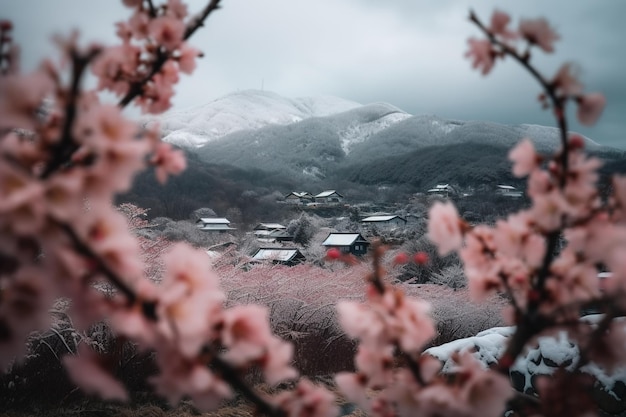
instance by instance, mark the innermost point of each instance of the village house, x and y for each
(328, 197)
(272, 232)
(352, 243)
(302, 197)
(263, 229)
(214, 224)
(283, 256)
(390, 221)
(508, 191)
(442, 190)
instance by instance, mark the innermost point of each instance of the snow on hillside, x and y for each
(245, 110)
(359, 132)
(538, 131)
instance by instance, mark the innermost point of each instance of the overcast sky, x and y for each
(405, 52)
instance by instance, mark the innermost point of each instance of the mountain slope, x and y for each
(310, 148)
(245, 110)
(428, 130)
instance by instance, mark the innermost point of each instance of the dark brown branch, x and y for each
(62, 151)
(532, 322)
(151, 9)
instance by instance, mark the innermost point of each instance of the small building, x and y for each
(329, 197)
(214, 224)
(442, 190)
(352, 243)
(384, 222)
(302, 197)
(272, 232)
(279, 236)
(263, 229)
(283, 256)
(508, 191)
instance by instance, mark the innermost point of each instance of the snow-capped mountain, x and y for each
(245, 110)
(320, 138)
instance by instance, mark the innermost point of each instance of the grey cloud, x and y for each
(406, 52)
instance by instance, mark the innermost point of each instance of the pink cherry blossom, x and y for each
(182, 377)
(482, 54)
(485, 393)
(22, 202)
(353, 387)
(177, 9)
(87, 371)
(499, 22)
(115, 67)
(590, 107)
(524, 158)
(187, 58)
(167, 161)
(444, 227)
(132, 3)
(566, 80)
(538, 32)
(167, 31)
(415, 327)
(307, 400)
(276, 363)
(245, 333)
(139, 24)
(190, 301)
(62, 194)
(21, 96)
(375, 363)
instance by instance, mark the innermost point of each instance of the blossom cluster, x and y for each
(546, 258)
(393, 379)
(152, 52)
(503, 41)
(64, 155)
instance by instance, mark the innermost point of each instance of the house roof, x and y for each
(385, 218)
(300, 194)
(213, 220)
(342, 239)
(276, 254)
(269, 226)
(327, 193)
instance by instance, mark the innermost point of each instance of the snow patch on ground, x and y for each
(543, 359)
